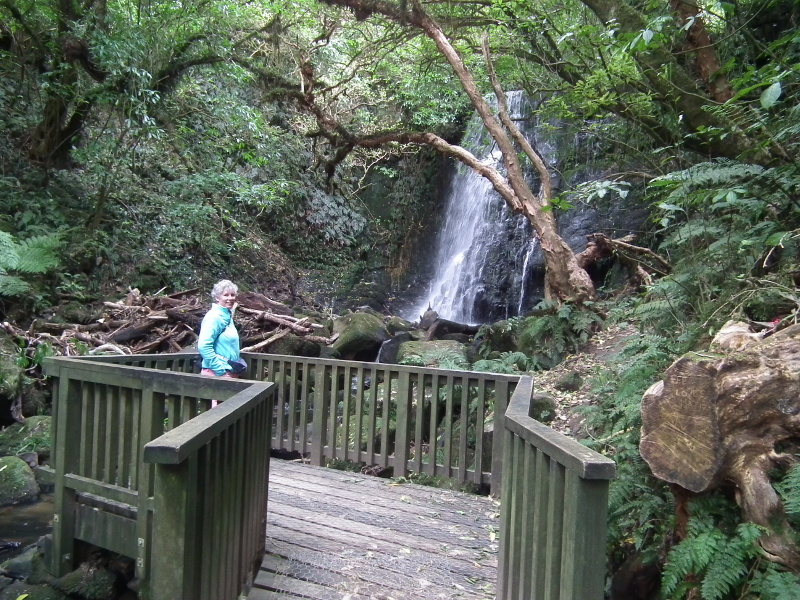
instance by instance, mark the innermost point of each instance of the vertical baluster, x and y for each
(111, 434)
(306, 385)
(480, 413)
(433, 431)
(448, 432)
(358, 432)
(555, 519)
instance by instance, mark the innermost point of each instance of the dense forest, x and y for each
(297, 147)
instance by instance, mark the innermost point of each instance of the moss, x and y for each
(34, 592)
(33, 435)
(17, 482)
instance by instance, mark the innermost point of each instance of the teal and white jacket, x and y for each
(219, 340)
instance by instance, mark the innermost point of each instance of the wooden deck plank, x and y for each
(289, 542)
(338, 535)
(374, 524)
(428, 503)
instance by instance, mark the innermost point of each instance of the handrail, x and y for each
(553, 516)
(110, 490)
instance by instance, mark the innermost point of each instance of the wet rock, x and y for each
(396, 324)
(390, 348)
(92, 580)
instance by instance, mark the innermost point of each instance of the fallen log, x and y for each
(721, 417)
(296, 327)
(273, 338)
(443, 327)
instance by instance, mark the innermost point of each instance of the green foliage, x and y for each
(563, 328)
(509, 363)
(721, 562)
(21, 259)
(730, 230)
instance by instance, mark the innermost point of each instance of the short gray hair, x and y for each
(221, 287)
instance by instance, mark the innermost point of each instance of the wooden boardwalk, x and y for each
(335, 535)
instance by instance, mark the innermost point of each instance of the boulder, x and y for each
(17, 482)
(390, 348)
(360, 336)
(446, 354)
(396, 324)
(292, 345)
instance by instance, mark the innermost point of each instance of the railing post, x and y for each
(67, 419)
(499, 438)
(585, 525)
(174, 534)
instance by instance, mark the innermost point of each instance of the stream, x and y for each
(22, 525)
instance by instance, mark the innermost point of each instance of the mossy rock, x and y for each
(543, 407)
(90, 581)
(33, 435)
(292, 345)
(17, 482)
(34, 592)
(446, 354)
(396, 324)
(28, 566)
(360, 335)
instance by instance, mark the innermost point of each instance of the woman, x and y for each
(219, 340)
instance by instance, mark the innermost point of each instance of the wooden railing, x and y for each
(554, 511)
(140, 465)
(412, 419)
(554, 503)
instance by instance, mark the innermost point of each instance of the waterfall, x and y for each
(483, 252)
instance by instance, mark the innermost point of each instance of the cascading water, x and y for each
(483, 252)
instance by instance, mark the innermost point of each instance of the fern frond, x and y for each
(779, 585)
(38, 254)
(8, 251)
(11, 286)
(789, 489)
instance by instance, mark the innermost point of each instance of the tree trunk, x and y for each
(565, 279)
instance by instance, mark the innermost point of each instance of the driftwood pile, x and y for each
(141, 324)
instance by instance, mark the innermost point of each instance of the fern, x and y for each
(777, 585)
(563, 328)
(38, 254)
(789, 490)
(32, 256)
(720, 562)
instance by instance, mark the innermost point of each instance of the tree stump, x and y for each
(718, 418)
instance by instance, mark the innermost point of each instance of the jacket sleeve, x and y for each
(210, 329)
